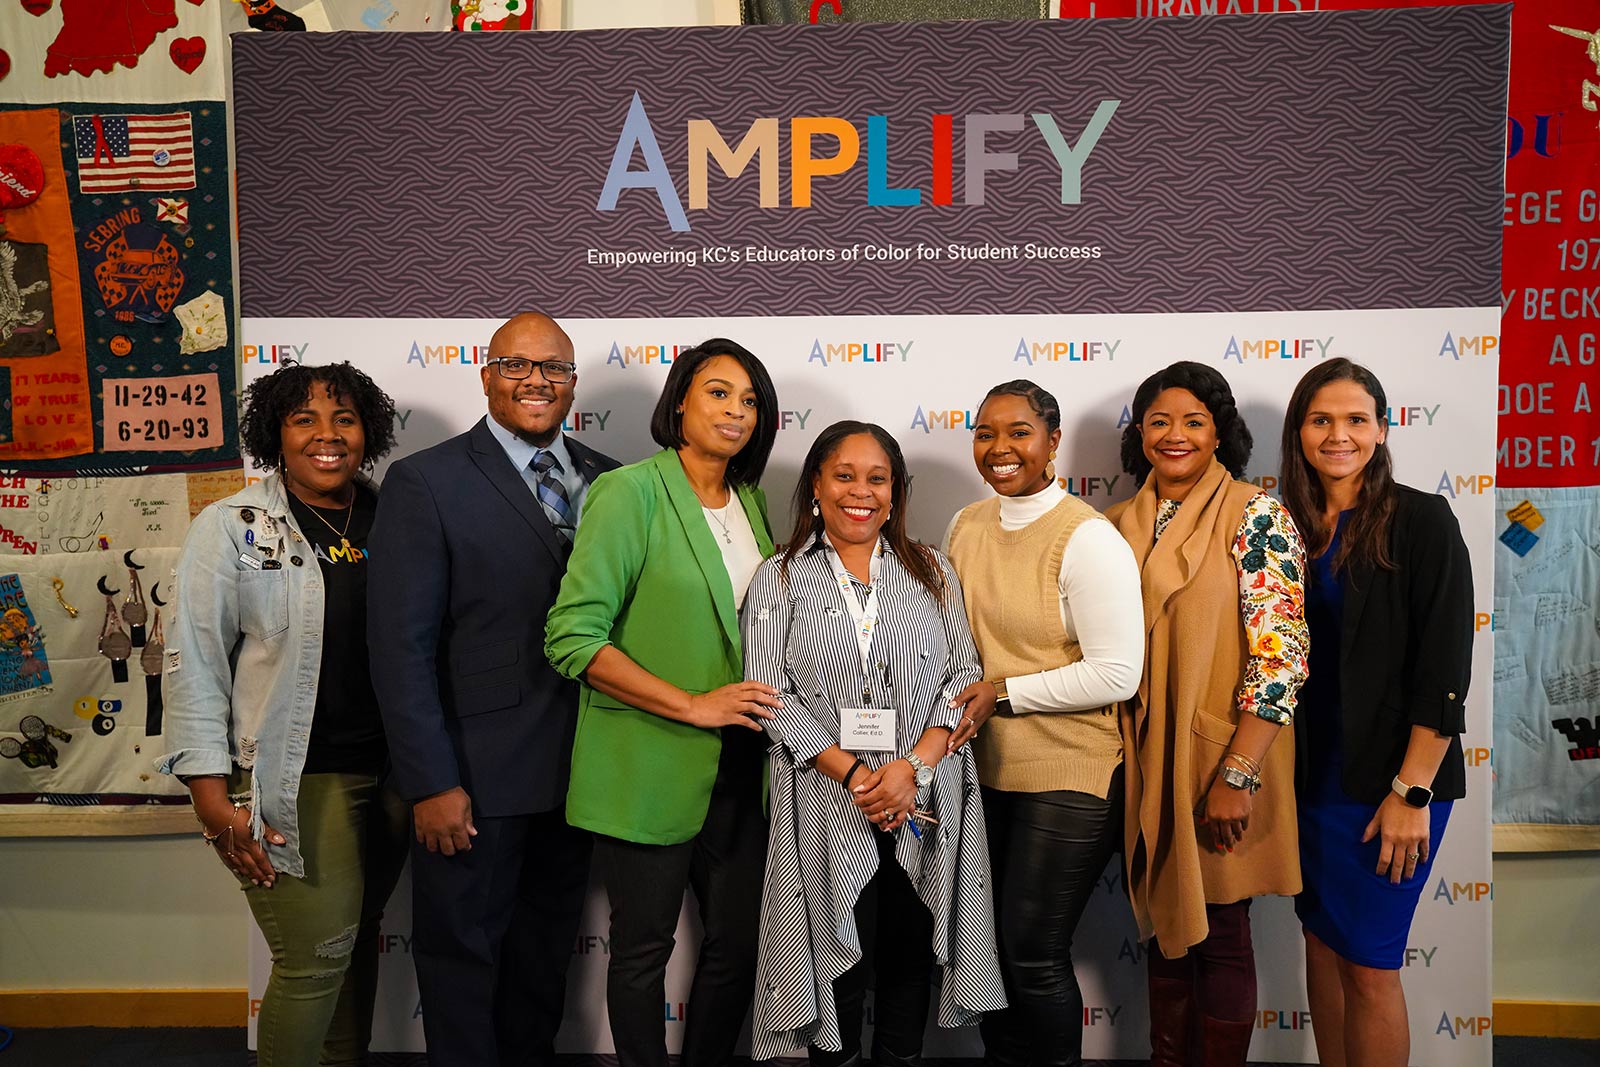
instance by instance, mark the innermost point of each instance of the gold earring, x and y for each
(1050, 468)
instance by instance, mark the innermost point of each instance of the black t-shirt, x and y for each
(346, 730)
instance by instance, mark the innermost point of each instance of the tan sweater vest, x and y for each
(1012, 582)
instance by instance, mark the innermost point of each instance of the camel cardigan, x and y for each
(1181, 721)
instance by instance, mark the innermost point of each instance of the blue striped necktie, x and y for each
(553, 494)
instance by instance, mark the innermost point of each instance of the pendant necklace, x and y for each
(349, 513)
(715, 514)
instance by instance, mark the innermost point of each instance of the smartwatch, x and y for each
(1415, 795)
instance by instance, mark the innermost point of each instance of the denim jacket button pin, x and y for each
(296, 560)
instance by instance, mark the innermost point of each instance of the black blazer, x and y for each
(464, 567)
(1406, 653)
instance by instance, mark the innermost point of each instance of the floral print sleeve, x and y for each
(1271, 560)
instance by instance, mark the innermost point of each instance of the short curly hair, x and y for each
(268, 402)
(1211, 389)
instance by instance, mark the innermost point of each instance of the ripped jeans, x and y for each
(322, 929)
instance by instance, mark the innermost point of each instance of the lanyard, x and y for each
(865, 617)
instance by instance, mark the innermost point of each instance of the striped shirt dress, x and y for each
(799, 638)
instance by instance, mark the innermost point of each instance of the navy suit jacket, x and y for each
(464, 567)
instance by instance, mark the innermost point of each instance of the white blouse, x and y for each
(737, 542)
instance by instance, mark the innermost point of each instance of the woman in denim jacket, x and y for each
(271, 713)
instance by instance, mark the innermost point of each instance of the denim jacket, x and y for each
(244, 652)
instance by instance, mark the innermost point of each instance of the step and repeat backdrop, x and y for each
(896, 218)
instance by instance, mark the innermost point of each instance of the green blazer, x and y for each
(646, 576)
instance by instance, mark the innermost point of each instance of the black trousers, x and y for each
(493, 933)
(896, 932)
(724, 865)
(1047, 851)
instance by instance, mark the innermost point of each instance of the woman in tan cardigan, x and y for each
(1222, 570)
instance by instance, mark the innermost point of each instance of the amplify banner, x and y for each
(897, 217)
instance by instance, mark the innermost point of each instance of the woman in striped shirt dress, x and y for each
(877, 858)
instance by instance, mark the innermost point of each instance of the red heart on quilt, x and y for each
(5, 63)
(36, 7)
(187, 52)
(197, 3)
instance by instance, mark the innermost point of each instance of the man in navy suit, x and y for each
(468, 549)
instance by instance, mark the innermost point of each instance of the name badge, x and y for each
(866, 729)
(249, 561)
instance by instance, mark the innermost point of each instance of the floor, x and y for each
(225, 1048)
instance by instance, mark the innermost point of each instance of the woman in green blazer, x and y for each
(667, 764)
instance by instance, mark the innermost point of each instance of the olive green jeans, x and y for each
(322, 929)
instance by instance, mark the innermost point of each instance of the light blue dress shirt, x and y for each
(521, 454)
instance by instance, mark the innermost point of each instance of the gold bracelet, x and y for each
(1249, 765)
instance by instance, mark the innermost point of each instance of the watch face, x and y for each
(1418, 797)
(924, 776)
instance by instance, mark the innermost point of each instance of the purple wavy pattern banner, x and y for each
(1337, 160)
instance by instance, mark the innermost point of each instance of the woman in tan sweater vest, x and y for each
(1222, 568)
(1055, 613)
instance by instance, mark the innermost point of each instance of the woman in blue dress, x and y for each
(1378, 744)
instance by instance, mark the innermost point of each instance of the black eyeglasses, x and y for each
(553, 370)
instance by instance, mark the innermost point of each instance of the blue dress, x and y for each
(1351, 908)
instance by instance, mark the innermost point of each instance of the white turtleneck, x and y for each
(1101, 608)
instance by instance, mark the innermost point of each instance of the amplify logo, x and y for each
(1268, 1019)
(275, 353)
(760, 144)
(1058, 351)
(1458, 1027)
(394, 943)
(446, 355)
(797, 419)
(1090, 485)
(944, 419)
(1276, 348)
(1453, 893)
(1454, 486)
(1457, 345)
(1585, 738)
(591, 944)
(1412, 416)
(642, 355)
(1421, 956)
(1101, 1016)
(826, 352)
(578, 421)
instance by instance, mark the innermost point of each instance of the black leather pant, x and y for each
(1048, 851)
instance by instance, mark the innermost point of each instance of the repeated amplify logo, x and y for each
(645, 355)
(1279, 1019)
(1421, 955)
(1060, 350)
(1454, 893)
(580, 421)
(1585, 737)
(1252, 349)
(829, 352)
(1458, 1027)
(760, 145)
(1412, 415)
(1454, 485)
(1090, 485)
(275, 353)
(931, 419)
(446, 355)
(1457, 345)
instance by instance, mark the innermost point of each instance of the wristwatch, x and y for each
(924, 773)
(1002, 699)
(1415, 795)
(1235, 778)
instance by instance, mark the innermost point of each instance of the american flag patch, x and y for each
(132, 153)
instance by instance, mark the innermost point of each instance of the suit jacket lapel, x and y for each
(491, 459)
(701, 543)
